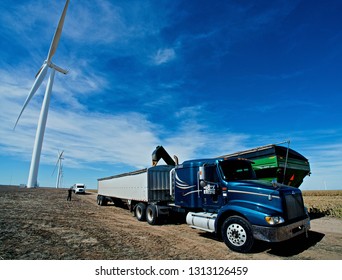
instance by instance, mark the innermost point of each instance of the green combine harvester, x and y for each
(277, 163)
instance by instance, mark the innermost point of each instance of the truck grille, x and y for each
(294, 206)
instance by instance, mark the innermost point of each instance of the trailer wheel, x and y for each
(151, 214)
(101, 200)
(140, 211)
(237, 234)
(98, 200)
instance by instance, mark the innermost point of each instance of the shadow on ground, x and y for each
(287, 248)
(297, 245)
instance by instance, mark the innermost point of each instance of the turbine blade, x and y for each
(58, 159)
(53, 172)
(38, 81)
(57, 36)
(40, 70)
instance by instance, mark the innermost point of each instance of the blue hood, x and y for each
(261, 186)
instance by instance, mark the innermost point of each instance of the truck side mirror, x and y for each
(201, 176)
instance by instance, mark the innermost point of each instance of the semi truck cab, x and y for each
(224, 196)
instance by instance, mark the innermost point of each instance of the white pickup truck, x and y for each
(78, 188)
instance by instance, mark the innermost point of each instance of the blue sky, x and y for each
(201, 78)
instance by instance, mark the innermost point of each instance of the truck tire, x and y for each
(140, 211)
(98, 200)
(151, 214)
(101, 200)
(237, 234)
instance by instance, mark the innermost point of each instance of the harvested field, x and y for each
(41, 224)
(324, 203)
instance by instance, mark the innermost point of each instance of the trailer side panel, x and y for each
(147, 185)
(131, 187)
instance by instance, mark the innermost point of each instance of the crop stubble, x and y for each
(42, 224)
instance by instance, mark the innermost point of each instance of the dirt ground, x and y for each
(41, 224)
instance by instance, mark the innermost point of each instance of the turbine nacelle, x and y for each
(57, 68)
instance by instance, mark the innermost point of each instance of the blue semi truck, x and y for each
(219, 195)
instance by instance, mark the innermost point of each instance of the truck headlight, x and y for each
(274, 220)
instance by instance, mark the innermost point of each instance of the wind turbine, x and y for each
(32, 179)
(59, 172)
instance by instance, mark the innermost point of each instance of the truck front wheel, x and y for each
(237, 234)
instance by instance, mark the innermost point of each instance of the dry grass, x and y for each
(42, 224)
(324, 203)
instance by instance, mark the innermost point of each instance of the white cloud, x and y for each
(86, 138)
(97, 138)
(89, 138)
(92, 139)
(163, 56)
(325, 162)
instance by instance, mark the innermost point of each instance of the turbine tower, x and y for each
(32, 179)
(59, 172)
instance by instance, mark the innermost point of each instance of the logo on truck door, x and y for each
(209, 189)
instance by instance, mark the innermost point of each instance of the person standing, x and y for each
(69, 194)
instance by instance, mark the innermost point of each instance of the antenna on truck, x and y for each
(287, 155)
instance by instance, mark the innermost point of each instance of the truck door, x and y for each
(211, 188)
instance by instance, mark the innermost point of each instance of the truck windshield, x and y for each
(237, 170)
